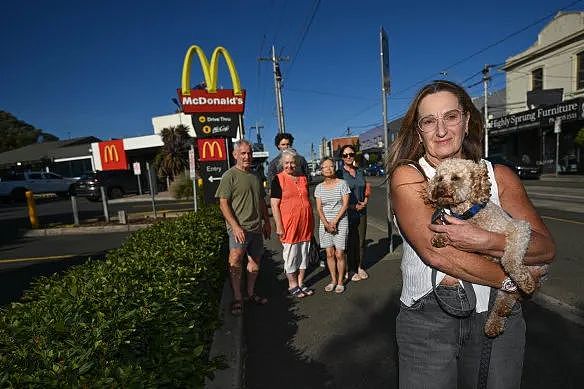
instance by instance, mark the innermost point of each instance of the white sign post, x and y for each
(137, 173)
(557, 131)
(193, 174)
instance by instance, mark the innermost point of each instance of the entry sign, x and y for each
(211, 173)
(136, 166)
(192, 169)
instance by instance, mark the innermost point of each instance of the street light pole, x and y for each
(278, 88)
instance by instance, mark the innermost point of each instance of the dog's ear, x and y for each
(481, 186)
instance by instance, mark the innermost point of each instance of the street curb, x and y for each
(566, 311)
(83, 230)
(228, 340)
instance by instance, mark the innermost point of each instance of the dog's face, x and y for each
(457, 181)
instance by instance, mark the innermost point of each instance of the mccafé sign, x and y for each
(210, 99)
(212, 149)
(113, 155)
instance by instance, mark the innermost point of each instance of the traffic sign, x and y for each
(136, 166)
(193, 172)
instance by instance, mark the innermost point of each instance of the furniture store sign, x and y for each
(543, 116)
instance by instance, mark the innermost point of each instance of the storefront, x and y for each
(533, 136)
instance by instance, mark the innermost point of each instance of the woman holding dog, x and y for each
(439, 349)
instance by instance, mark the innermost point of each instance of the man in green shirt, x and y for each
(242, 201)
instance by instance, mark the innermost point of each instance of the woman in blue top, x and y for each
(357, 212)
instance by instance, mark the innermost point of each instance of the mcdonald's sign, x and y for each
(212, 149)
(113, 155)
(209, 99)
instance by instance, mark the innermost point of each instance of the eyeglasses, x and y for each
(348, 155)
(449, 118)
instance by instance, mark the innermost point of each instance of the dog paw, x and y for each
(439, 240)
(494, 327)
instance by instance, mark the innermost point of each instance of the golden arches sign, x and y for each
(210, 99)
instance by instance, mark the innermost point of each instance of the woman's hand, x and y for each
(360, 205)
(462, 235)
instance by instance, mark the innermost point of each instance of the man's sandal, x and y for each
(236, 307)
(307, 291)
(297, 292)
(257, 300)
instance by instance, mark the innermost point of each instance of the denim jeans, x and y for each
(438, 350)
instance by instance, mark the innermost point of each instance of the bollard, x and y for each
(122, 217)
(75, 210)
(32, 213)
(104, 202)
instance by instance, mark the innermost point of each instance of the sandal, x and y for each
(307, 291)
(297, 292)
(236, 307)
(362, 274)
(339, 288)
(356, 277)
(257, 300)
(329, 288)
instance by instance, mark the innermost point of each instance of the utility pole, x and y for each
(258, 128)
(486, 79)
(278, 87)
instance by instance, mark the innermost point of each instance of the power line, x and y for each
(492, 45)
(304, 34)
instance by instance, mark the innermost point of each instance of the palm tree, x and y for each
(172, 159)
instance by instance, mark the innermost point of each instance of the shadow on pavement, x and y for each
(322, 341)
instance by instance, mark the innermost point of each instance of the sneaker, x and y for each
(321, 264)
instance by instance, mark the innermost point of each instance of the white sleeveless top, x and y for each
(416, 275)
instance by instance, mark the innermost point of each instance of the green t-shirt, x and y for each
(244, 191)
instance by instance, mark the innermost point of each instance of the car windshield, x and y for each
(87, 176)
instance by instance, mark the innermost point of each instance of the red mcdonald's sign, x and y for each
(113, 155)
(212, 149)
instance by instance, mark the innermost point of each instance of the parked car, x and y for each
(523, 170)
(374, 170)
(15, 186)
(116, 184)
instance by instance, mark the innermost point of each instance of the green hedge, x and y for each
(143, 317)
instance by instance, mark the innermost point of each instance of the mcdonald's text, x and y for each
(224, 100)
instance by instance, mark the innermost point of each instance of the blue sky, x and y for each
(77, 68)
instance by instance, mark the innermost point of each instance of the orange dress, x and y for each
(295, 209)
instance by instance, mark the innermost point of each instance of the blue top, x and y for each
(357, 186)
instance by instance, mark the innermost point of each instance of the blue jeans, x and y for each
(437, 350)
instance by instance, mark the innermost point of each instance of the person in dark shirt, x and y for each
(284, 141)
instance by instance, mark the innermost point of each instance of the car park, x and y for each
(523, 170)
(116, 183)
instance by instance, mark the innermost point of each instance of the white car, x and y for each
(16, 185)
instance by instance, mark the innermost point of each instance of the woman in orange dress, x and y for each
(292, 213)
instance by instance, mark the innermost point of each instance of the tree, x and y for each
(172, 159)
(17, 133)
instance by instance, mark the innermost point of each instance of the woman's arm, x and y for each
(342, 211)
(276, 214)
(321, 212)
(516, 203)
(413, 218)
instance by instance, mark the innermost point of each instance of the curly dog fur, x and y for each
(458, 185)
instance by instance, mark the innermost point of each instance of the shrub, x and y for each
(182, 187)
(143, 317)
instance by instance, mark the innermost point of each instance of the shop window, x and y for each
(537, 79)
(580, 70)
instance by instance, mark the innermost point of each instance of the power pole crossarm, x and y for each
(278, 87)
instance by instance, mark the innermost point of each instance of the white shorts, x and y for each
(295, 256)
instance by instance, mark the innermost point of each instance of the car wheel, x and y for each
(115, 193)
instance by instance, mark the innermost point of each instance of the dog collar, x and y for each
(469, 212)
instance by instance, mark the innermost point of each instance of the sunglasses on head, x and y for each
(347, 155)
